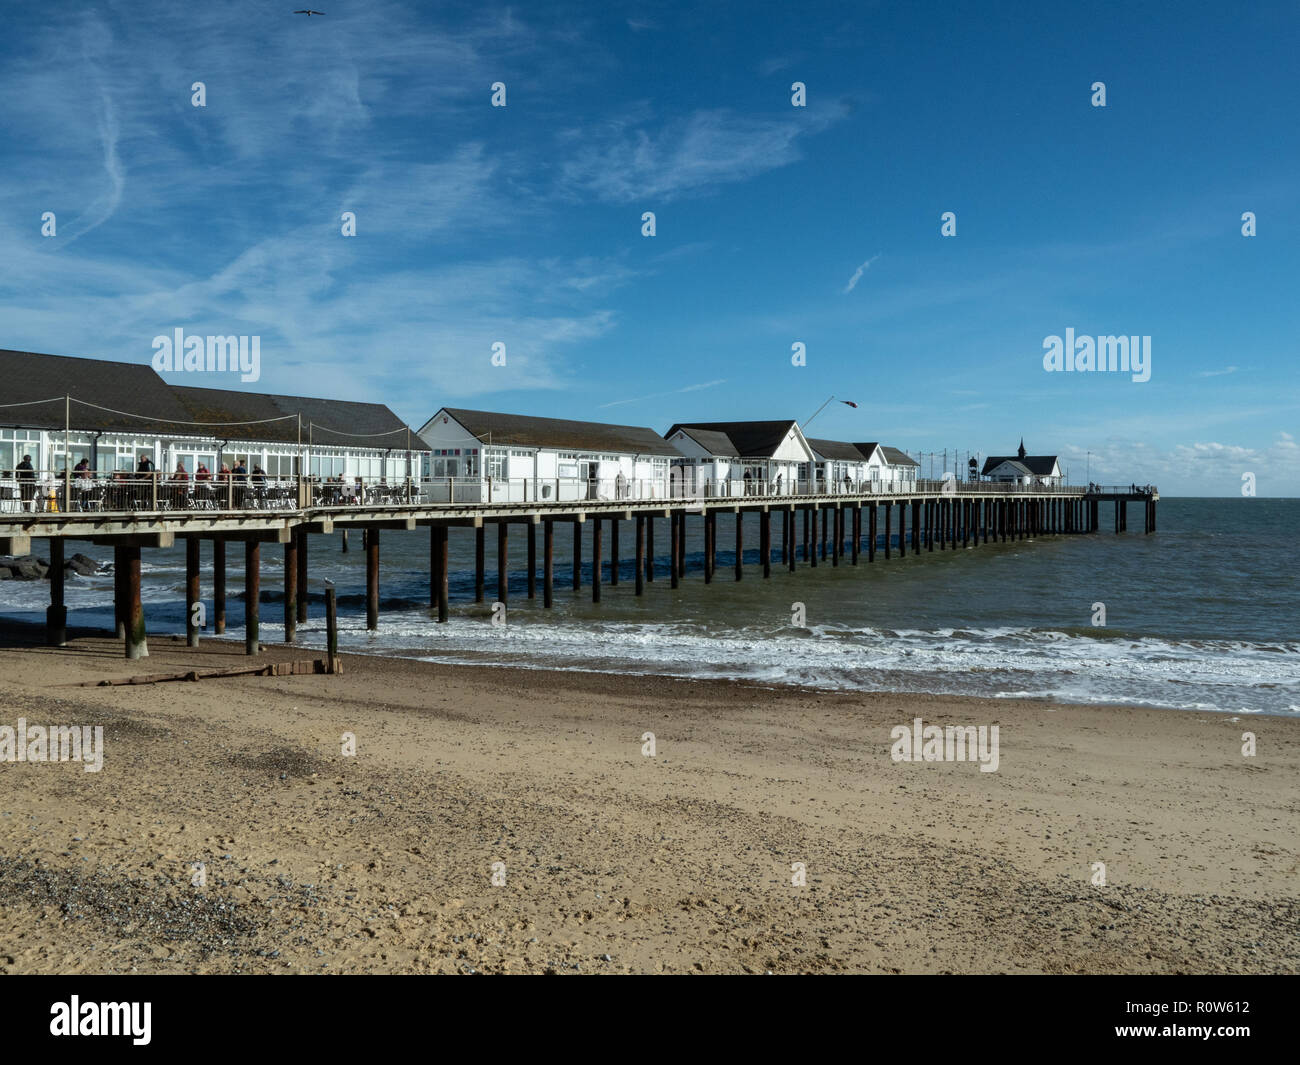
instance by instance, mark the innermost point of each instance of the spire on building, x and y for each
(1021, 452)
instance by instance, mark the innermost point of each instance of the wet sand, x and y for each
(315, 861)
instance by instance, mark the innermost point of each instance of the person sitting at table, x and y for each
(202, 473)
(82, 470)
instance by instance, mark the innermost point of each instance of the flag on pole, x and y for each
(849, 403)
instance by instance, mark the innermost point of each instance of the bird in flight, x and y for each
(308, 12)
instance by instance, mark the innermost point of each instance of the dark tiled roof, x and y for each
(836, 449)
(750, 439)
(867, 449)
(170, 410)
(714, 443)
(26, 376)
(341, 423)
(1039, 465)
(522, 430)
(898, 458)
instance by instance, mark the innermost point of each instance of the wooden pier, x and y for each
(967, 514)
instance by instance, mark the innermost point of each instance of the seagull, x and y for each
(308, 12)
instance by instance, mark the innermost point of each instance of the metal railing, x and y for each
(154, 491)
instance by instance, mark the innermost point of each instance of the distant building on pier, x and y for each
(738, 458)
(1032, 471)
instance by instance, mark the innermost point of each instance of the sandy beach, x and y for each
(614, 861)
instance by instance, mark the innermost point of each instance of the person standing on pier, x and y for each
(26, 480)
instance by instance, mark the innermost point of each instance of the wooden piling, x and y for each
(290, 588)
(548, 563)
(303, 595)
(532, 560)
(596, 529)
(708, 546)
(503, 561)
(649, 548)
(673, 535)
(857, 534)
(836, 538)
(871, 532)
(137, 641)
(56, 614)
(639, 563)
(218, 584)
(192, 545)
(888, 523)
(331, 629)
(371, 538)
(613, 551)
(252, 594)
(577, 556)
(480, 551)
(790, 538)
(740, 542)
(441, 542)
(765, 540)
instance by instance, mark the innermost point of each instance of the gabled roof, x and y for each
(868, 449)
(1040, 465)
(750, 439)
(1016, 465)
(340, 422)
(836, 449)
(133, 388)
(714, 443)
(522, 430)
(898, 458)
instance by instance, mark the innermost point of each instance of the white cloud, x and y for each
(857, 274)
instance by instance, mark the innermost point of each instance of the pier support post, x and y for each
(119, 591)
(814, 511)
(902, 530)
(765, 540)
(857, 534)
(836, 538)
(649, 548)
(965, 523)
(503, 561)
(192, 544)
(439, 538)
(137, 640)
(370, 537)
(790, 532)
(674, 535)
(480, 550)
(888, 521)
(290, 588)
(785, 537)
(708, 546)
(916, 527)
(613, 551)
(806, 519)
(596, 544)
(302, 535)
(252, 594)
(219, 585)
(740, 542)
(577, 556)
(871, 532)
(639, 564)
(532, 560)
(825, 514)
(548, 563)
(56, 614)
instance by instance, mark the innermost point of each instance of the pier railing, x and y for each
(156, 491)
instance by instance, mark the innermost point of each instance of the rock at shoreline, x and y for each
(31, 568)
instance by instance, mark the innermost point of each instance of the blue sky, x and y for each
(523, 224)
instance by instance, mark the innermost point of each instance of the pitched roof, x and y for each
(713, 442)
(750, 439)
(93, 384)
(522, 430)
(867, 449)
(836, 449)
(1016, 465)
(1039, 465)
(339, 422)
(898, 458)
(140, 401)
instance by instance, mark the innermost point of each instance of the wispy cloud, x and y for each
(671, 392)
(857, 274)
(1217, 373)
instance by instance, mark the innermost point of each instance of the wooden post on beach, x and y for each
(302, 534)
(290, 587)
(479, 560)
(765, 540)
(56, 614)
(371, 537)
(548, 563)
(638, 564)
(332, 629)
(252, 594)
(439, 536)
(503, 561)
(577, 556)
(137, 640)
(596, 527)
(532, 560)
(119, 591)
(192, 545)
(219, 585)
